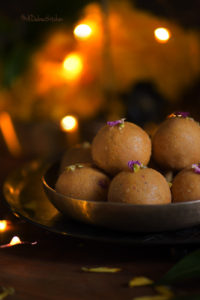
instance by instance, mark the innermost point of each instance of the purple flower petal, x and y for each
(114, 123)
(180, 114)
(131, 164)
(103, 183)
(196, 168)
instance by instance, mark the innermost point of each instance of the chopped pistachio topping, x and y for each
(70, 168)
(135, 165)
(73, 167)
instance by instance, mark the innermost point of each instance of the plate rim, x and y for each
(129, 239)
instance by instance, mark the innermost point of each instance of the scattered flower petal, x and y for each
(6, 292)
(164, 290)
(117, 122)
(140, 281)
(101, 270)
(196, 168)
(156, 297)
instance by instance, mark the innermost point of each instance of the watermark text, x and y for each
(37, 18)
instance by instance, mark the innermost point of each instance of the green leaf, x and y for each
(188, 267)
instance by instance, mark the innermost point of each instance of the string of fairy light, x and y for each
(5, 226)
(73, 66)
(73, 62)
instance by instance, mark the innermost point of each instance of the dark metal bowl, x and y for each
(121, 216)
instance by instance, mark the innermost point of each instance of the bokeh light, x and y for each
(162, 35)
(3, 225)
(73, 66)
(69, 123)
(9, 134)
(15, 240)
(82, 31)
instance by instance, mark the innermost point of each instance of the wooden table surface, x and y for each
(52, 269)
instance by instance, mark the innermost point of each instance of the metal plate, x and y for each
(25, 196)
(122, 216)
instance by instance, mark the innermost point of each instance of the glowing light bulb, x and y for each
(162, 35)
(3, 225)
(73, 66)
(69, 123)
(9, 134)
(82, 31)
(15, 240)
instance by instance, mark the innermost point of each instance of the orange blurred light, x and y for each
(3, 225)
(15, 240)
(9, 134)
(82, 31)
(73, 66)
(162, 35)
(69, 123)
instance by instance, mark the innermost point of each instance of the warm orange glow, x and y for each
(162, 35)
(73, 66)
(9, 134)
(3, 225)
(69, 123)
(82, 31)
(15, 240)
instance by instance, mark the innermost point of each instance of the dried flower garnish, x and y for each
(103, 183)
(117, 122)
(135, 165)
(101, 270)
(6, 292)
(140, 281)
(179, 114)
(196, 168)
